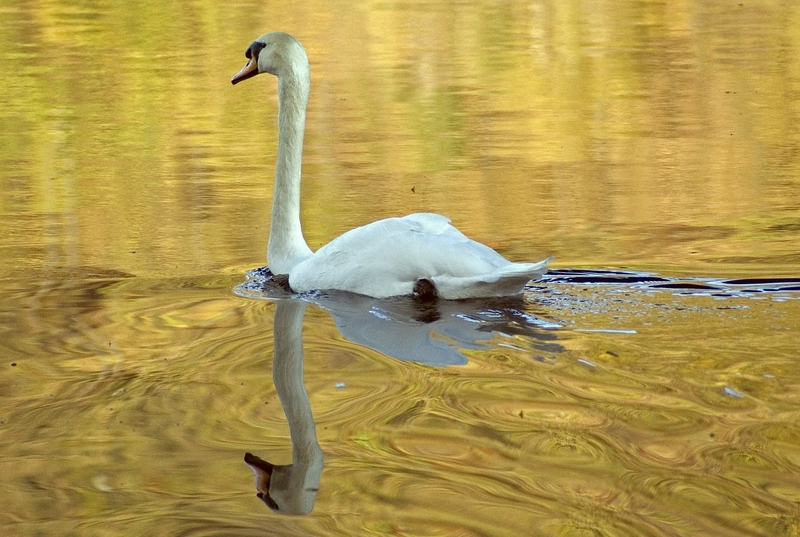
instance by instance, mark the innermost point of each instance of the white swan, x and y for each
(418, 254)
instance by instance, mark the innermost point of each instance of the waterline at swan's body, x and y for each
(389, 257)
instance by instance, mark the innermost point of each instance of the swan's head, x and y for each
(286, 490)
(277, 53)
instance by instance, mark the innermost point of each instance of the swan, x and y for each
(420, 254)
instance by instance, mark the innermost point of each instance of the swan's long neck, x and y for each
(287, 247)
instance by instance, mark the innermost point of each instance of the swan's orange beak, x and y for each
(248, 71)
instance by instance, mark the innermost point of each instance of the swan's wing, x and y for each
(386, 258)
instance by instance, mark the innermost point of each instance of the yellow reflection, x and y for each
(631, 133)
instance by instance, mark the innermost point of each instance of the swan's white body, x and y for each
(387, 258)
(382, 259)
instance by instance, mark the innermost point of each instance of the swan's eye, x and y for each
(253, 50)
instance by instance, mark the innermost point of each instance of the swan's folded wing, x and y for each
(386, 258)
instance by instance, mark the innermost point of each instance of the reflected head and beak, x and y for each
(251, 68)
(263, 472)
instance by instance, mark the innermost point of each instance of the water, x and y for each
(132, 402)
(647, 386)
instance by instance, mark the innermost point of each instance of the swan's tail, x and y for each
(508, 280)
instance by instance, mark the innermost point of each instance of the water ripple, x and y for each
(141, 396)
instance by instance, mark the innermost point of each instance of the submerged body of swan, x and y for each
(417, 254)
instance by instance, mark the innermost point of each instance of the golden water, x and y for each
(134, 196)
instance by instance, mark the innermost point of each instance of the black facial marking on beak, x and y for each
(253, 50)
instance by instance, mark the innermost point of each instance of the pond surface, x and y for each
(648, 385)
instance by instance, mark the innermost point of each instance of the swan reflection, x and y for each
(426, 332)
(290, 489)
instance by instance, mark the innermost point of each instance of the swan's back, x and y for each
(388, 257)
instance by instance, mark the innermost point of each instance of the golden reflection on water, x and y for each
(134, 193)
(627, 133)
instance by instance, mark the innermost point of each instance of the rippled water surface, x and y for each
(648, 385)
